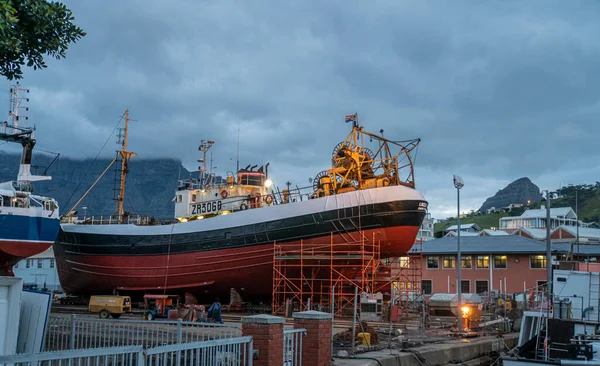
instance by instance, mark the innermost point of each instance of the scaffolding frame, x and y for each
(406, 287)
(311, 275)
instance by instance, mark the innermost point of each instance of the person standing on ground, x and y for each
(214, 311)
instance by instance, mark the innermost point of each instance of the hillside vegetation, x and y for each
(483, 221)
(588, 201)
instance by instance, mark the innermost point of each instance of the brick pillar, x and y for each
(316, 345)
(267, 337)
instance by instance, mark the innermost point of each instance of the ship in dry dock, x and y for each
(223, 232)
(29, 222)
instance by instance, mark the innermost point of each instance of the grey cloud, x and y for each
(496, 90)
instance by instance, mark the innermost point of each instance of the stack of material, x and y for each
(347, 334)
(234, 298)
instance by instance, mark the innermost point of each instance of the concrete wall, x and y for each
(517, 274)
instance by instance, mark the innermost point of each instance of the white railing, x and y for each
(131, 356)
(292, 346)
(221, 352)
(79, 333)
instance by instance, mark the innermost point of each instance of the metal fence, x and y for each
(292, 346)
(221, 352)
(131, 356)
(78, 333)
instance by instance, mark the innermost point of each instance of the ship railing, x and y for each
(83, 332)
(533, 299)
(113, 220)
(230, 351)
(575, 307)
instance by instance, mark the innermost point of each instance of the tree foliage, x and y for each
(31, 30)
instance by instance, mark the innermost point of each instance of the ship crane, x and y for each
(356, 166)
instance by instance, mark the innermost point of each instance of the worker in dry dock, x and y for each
(214, 312)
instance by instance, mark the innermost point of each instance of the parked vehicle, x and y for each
(158, 306)
(110, 305)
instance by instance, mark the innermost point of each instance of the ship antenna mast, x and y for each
(204, 147)
(125, 156)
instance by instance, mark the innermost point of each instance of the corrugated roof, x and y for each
(584, 232)
(554, 211)
(582, 249)
(501, 244)
(505, 244)
(494, 232)
(462, 233)
(534, 232)
(462, 226)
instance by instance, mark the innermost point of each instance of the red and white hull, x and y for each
(233, 250)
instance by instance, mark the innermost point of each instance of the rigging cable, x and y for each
(168, 259)
(93, 162)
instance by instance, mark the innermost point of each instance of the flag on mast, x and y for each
(351, 118)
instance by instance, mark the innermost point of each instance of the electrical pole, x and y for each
(458, 183)
(548, 253)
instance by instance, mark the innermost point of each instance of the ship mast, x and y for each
(13, 132)
(125, 156)
(204, 147)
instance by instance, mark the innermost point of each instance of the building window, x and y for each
(541, 285)
(481, 287)
(449, 262)
(39, 263)
(51, 262)
(385, 261)
(403, 262)
(28, 263)
(433, 262)
(537, 261)
(465, 287)
(483, 261)
(427, 286)
(499, 261)
(466, 261)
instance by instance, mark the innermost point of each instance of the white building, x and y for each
(465, 228)
(536, 219)
(426, 230)
(39, 269)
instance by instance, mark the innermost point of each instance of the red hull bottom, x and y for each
(12, 251)
(249, 270)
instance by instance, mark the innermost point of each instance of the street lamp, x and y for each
(458, 183)
(549, 277)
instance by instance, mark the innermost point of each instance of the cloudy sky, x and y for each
(495, 90)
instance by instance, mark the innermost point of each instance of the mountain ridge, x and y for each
(150, 186)
(522, 191)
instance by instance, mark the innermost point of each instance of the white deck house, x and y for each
(536, 219)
